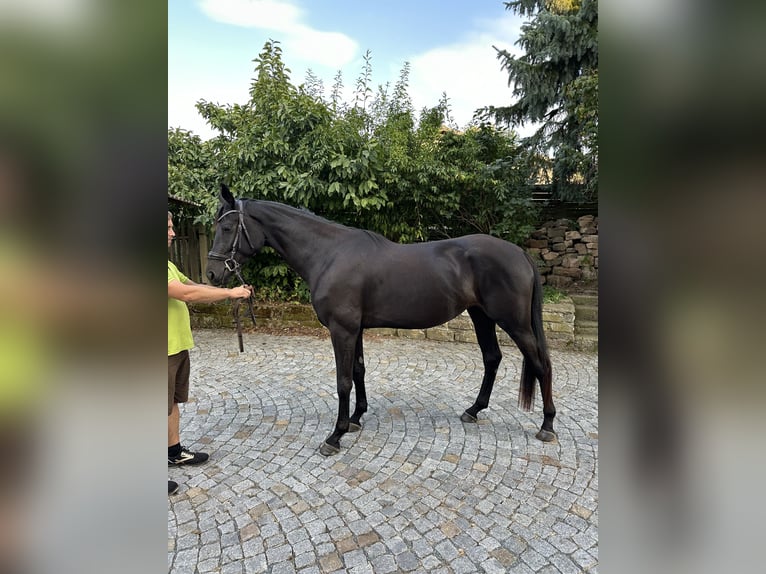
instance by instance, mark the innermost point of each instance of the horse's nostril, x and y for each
(211, 276)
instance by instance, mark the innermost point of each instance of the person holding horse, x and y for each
(182, 290)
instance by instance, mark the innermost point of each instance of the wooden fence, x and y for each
(189, 250)
(552, 209)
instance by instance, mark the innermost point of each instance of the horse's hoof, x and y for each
(353, 427)
(467, 417)
(545, 435)
(328, 450)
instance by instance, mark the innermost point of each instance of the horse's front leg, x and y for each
(355, 424)
(344, 344)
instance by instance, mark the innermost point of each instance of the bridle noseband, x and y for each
(229, 262)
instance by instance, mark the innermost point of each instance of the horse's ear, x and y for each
(226, 195)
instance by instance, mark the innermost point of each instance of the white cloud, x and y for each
(330, 49)
(468, 71)
(303, 47)
(266, 14)
(316, 47)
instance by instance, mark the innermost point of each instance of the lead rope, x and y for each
(235, 309)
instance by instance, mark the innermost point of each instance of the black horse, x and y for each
(359, 279)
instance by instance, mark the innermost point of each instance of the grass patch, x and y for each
(552, 295)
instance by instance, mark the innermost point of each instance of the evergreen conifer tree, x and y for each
(556, 83)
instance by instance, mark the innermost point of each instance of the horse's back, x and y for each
(461, 262)
(495, 256)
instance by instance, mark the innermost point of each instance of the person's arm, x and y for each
(191, 292)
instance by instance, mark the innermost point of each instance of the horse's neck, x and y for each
(298, 237)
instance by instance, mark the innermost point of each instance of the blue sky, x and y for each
(448, 43)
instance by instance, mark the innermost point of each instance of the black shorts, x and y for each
(178, 379)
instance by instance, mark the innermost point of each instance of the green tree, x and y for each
(556, 82)
(191, 175)
(370, 164)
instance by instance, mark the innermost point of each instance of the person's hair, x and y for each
(170, 215)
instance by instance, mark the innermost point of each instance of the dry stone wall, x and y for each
(558, 322)
(566, 251)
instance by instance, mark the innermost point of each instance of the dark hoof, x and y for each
(353, 427)
(467, 417)
(328, 450)
(545, 435)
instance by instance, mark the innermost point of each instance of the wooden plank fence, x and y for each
(551, 209)
(189, 250)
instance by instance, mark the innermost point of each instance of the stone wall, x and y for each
(566, 251)
(558, 322)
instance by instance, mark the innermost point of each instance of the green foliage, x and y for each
(556, 83)
(552, 295)
(191, 173)
(371, 164)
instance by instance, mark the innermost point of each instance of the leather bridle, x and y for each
(233, 265)
(229, 261)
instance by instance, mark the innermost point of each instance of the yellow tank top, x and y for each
(179, 326)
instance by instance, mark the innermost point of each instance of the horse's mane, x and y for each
(302, 210)
(377, 237)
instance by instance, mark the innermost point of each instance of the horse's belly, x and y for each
(405, 322)
(413, 311)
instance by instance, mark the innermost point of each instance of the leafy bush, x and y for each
(370, 164)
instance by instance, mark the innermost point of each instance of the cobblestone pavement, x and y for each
(416, 491)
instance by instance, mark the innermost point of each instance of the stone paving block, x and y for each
(187, 541)
(384, 564)
(585, 559)
(520, 568)
(232, 568)
(186, 560)
(407, 561)
(330, 562)
(565, 564)
(208, 565)
(325, 548)
(355, 558)
(304, 559)
(416, 491)
(231, 554)
(279, 554)
(303, 546)
(447, 550)
(283, 568)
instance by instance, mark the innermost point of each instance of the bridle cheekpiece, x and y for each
(229, 261)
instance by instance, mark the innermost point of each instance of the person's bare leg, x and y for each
(174, 433)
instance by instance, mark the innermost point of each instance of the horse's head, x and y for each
(237, 238)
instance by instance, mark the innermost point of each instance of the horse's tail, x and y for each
(528, 374)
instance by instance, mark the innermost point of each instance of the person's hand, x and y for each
(241, 292)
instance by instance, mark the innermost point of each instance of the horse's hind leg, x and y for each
(491, 355)
(355, 423)
(536, 365)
